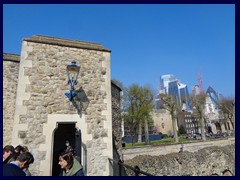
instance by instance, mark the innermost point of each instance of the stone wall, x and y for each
(116, 118)
(41, 102)
(117, 124)
(209, 161)
(10, 79)
(129, 153)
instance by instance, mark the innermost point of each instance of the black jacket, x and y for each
(10, 158)
(12, 170)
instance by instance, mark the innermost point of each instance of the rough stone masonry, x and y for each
(39, 87)
(209, 161)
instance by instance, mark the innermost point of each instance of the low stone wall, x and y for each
(174, 148)
(209, 161)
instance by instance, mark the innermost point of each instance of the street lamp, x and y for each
(72, 72)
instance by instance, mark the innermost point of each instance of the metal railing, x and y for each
(137, 171)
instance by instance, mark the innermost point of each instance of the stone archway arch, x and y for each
(50, 127)
(227, 173)
(65, 131)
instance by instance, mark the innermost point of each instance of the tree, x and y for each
(167, 102)
(146, 108)
(198, 103)
(227, 109)
(182, 130)
(137, 108)
(129, 113)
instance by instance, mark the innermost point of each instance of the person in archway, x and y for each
(69, 165)
(68, 147)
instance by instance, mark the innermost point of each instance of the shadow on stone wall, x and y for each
(117, 170)
(81, 101)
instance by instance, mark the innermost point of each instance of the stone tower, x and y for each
(43, 118)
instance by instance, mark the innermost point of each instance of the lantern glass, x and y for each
(73, 72)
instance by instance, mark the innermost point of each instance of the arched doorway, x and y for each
(65, 132)
(218, 127)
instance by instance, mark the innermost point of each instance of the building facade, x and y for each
(195, 90)
(162, 121)
(39, 115)
(189, 121)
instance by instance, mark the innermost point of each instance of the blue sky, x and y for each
(147, 41)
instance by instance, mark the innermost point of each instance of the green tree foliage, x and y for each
(138, 105)
(198, 103)
(181, 130)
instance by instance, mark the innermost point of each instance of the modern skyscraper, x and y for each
(213, 95)
(173, 90)
(195, 90)
(185, 95)
(171, 85)
(212, 100)
(164, 81)
(179, 92)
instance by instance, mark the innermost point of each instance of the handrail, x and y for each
(136, 169)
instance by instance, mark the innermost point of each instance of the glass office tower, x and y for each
(164, 82)
(171, 85)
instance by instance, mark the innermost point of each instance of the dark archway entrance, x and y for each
(218, 127)
(64, 132)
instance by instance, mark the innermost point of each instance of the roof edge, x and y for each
(66, 42)
(116, 85)
(11, 57)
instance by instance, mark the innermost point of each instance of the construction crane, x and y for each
(199, 77)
